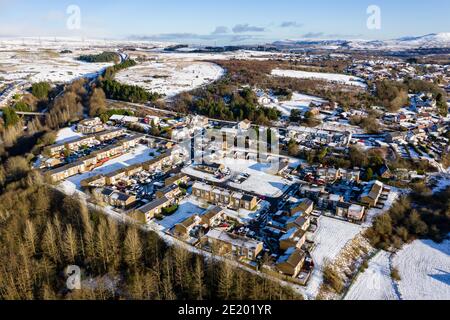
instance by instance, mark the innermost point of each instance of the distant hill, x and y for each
(430, 41)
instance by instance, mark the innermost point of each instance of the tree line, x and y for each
(129, 93)
(100, 58)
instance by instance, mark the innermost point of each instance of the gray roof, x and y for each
(154, 204)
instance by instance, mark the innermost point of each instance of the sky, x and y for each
(222, 21)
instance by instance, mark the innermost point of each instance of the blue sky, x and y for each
(230, 21)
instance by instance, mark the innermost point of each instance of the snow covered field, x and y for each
(330, 238)
(187, 207)
(45, 65)
(375, 283)
(299, 101)
(67, 135)
(260, 181)
(138, 155)
(424, 268)
(332, 77)
(171, 76)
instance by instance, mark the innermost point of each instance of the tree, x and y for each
(101, 244)
(70, 245)
(30, 236)
(132, 248)
(16, 167)
(293, 148)
(225, 282)
(50, 242)
(22, 106)
(88, 234)
(41, 90)
(10, 117)
(369, 174)
(332, 278)
(97, 102)
(198, 279)
(358, 157)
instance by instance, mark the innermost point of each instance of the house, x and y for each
(180, 178)
(356, 212)
(71, 146)
(155, 207)
(300, 221)
(183, 229)
(311, 191)
(170, 192)
(152, 120)
(248, 202)
(342, 209)
(328, 174)
(110, 151)
(110, 134)
(219, 196)
(62, 173)
(95, 181)
(123, 119)
(371, 193)
(329, 201)
(304, 205)
(394, 137)
(197, 121)
(90, 126)
(114, 198)
(291, 263)
(244, 125)
(294, 237)
(385, 172)
(350, 175)
(116, 176)
(132, 141)
(212, 216)
(202, 191)
(238, 246)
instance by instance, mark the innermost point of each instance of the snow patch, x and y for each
(332, 77)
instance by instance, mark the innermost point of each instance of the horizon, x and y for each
(231, 23)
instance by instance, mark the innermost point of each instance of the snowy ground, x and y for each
(45, 65)
(67, 135)
(330, 238)
(375, 283)
(171, 77)
(424, 268)
(332, 77)
(187, 207)
(299, 101)
(138, 155)
(260, 182)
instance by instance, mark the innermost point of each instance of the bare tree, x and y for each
(70, 244)
(132, 247)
